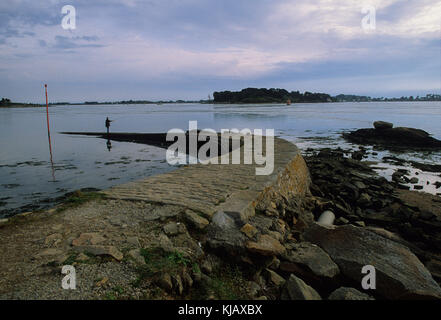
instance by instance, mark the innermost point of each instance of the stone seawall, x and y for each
(232, 188)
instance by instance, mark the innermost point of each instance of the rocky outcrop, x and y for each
(353, 191)
(399, 137)
(399, 273)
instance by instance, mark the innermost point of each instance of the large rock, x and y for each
(274, 278)
(136, 256)
(379, 125)
(110, 251)
(173, 228)
(296, 289)
(399, 273)
(266, 246)
(91, 238)
(397, 138)
(345, 293)
(249, 230)
(196, 220)
(309, 257)
(48, 253)
(224, 235)
(164, 281)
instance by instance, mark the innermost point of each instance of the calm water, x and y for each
(27, 175)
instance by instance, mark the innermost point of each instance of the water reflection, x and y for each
(109, 144)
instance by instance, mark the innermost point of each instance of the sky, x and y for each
(186, 49)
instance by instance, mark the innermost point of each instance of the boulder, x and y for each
(196, 220)
(345, 293)
(266, 246)
(171, 229)
(309, 257)
(135, 254)
(379, 125)
(414, 180)
(249, 230)
(206, 267)
(164, 281)
(357, 155)
(399, 273)
(102, 251)
(364, 200)
(187, 279)
(48, 253)
(274, 278)
(224, 235)
(359, 185)
(296, 289)
(177, 284)
(91, 238)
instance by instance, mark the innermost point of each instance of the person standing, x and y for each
(108, 125)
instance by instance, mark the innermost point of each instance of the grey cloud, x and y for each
(88, 38)
(62, 42)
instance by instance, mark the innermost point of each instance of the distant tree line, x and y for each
(263, 95)
(254, 95)
(5, 102)
(355, 98)
(140, 102)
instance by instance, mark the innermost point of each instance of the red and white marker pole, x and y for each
(48, 129)
(47, 116)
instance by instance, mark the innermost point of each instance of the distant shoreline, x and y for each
(245, 96)
(28, 105)
(16, 106)
(24, 105)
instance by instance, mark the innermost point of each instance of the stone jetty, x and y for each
(232, 188)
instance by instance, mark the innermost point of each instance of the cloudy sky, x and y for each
(172, 49)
